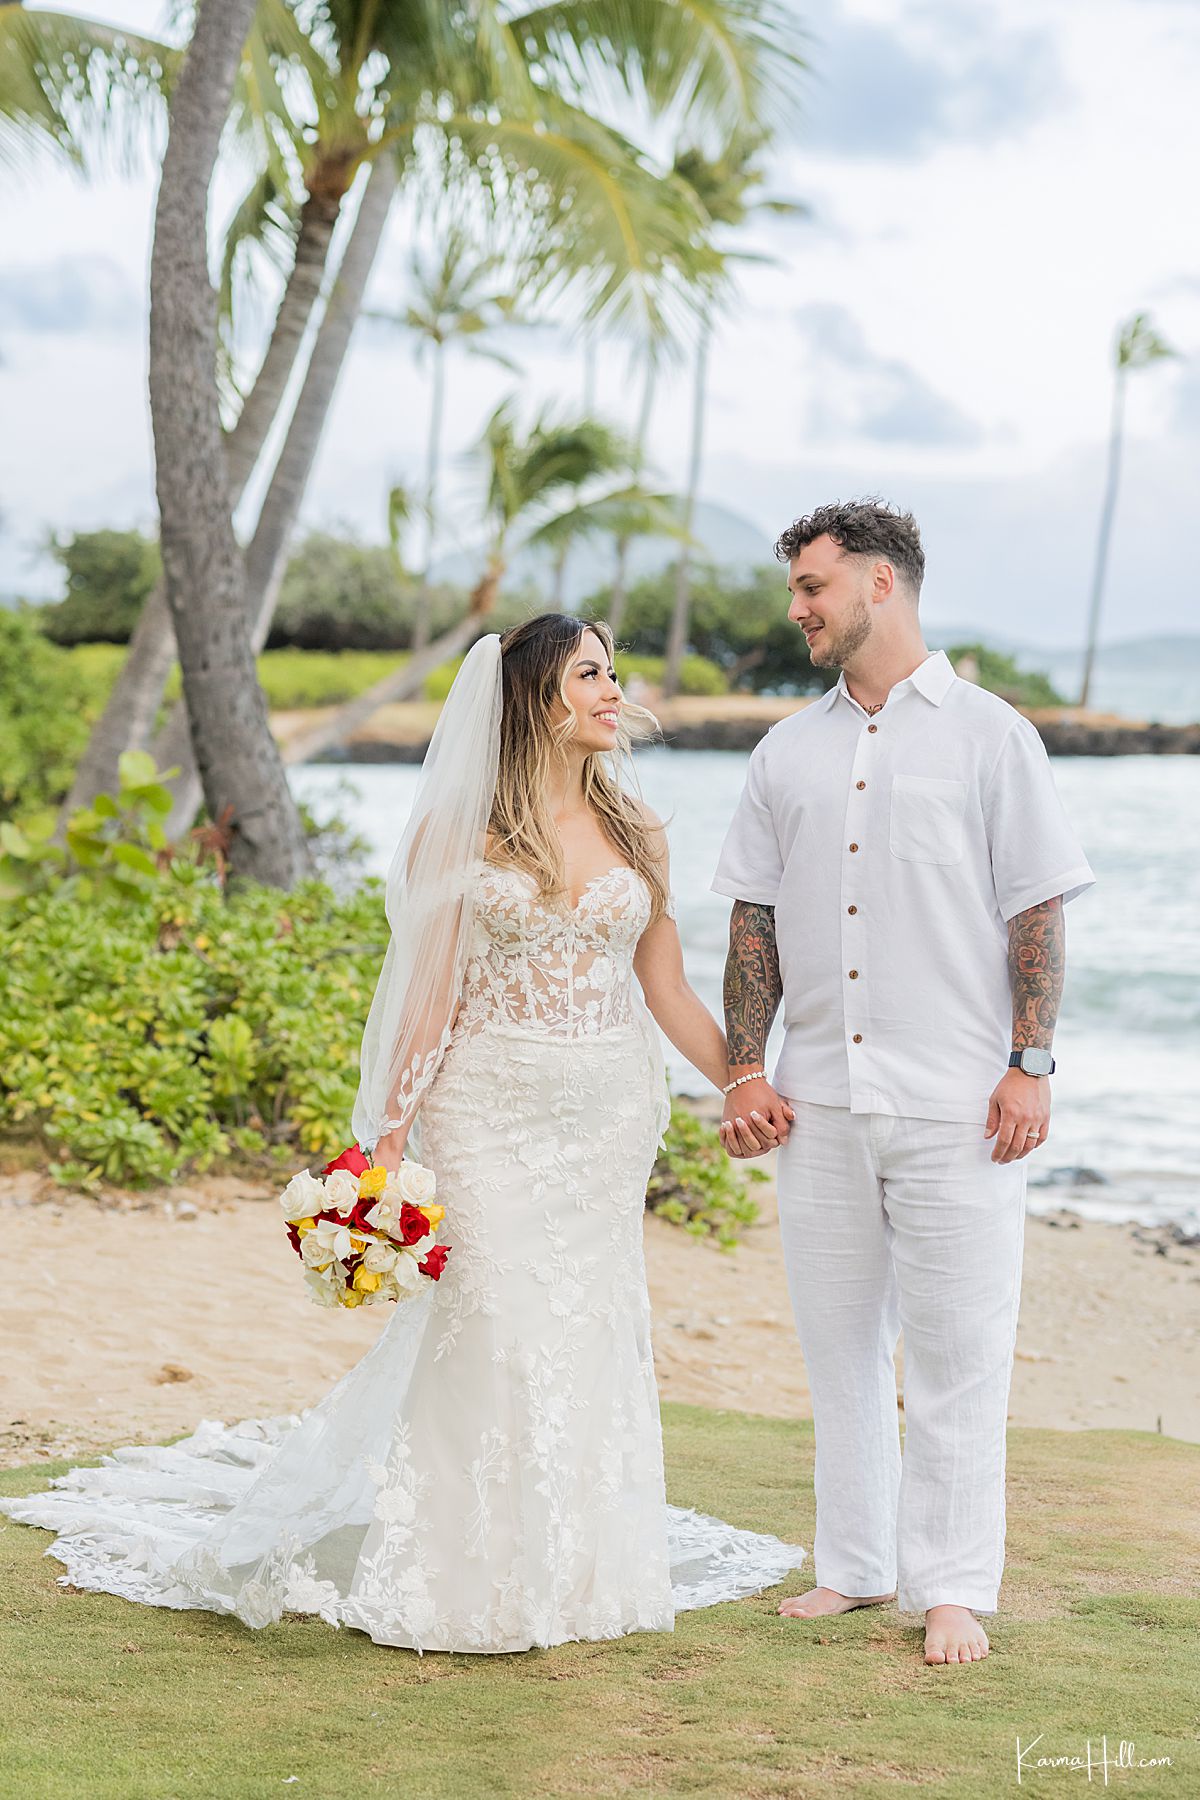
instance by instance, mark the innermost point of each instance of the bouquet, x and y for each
(364, 1234)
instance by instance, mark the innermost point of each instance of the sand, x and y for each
(130, 1318)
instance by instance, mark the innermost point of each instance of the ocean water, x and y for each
(1125, 1132)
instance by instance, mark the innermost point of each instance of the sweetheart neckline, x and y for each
(616, 869)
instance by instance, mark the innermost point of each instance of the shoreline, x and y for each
(195, 1309)
(400, 732)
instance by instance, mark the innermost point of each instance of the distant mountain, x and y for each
(725, 537)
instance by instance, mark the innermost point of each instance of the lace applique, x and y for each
(568, 971)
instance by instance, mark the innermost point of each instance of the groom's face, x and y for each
(830, 601)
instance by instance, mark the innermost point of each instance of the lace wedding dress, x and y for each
(489, 1476)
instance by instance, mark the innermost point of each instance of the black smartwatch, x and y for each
(1032, 1062)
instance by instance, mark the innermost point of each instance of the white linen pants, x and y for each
(891, 1223)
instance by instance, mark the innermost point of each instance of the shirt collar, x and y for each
(933, 678)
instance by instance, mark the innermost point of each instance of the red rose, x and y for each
(413, 1224)
(351, 1159)
(294, 1239)
(435, 1262)
(358, 1218)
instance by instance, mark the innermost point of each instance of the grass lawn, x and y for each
(1098, 1636)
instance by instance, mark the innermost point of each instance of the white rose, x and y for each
(302, 1197)
(320, 1288)
(406, 1274)
(385, 1214)
(341, 1191)
(417, 1184)
(379, 1257)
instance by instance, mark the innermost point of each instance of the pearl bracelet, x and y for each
(754, 1075)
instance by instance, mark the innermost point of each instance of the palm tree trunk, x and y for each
(1107, 511)
(680, 614)
(242, 775)
(433, 457)
(318, 218)
(128, 719)
(620, 584)
(266, 553)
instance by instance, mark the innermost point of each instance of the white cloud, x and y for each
(1020, 188)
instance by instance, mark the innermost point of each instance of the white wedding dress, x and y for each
(489, 1476)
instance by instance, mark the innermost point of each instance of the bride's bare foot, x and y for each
(954, 1635)
(820, 1601)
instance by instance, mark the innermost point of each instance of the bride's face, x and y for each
(593, 694)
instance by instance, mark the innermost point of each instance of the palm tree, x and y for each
(723, 187)
(456, 298)
(244, 781)
(620, 582)
(491, 99)
(1137, 346)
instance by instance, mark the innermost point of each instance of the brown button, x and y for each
(854, 974)
(852, 909)
(858, 1037)
(872, 728)
(860, 785)
(854, 846)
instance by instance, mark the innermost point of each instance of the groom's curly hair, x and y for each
(869, 527)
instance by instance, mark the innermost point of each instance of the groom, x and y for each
(898, 864)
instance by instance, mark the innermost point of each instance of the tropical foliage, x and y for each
(109, 577)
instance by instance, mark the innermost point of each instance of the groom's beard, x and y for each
(832, 651)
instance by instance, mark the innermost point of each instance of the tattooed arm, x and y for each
(1019, 1111)
(755, 1118)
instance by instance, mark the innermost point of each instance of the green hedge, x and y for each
(172, 1028)
(143, 1038)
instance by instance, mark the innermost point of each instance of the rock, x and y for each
(187, 1209)
(173, 1372)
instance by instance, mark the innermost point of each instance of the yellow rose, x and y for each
(349, 1297)
(435, 1215)
(303, 1225)
(371, 1182)
(366, 1280)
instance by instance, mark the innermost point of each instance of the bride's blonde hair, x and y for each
(536, 657)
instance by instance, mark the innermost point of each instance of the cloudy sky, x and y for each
(992, 185)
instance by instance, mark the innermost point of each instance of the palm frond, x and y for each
(84, 92)
(627, 511)
(718, 65)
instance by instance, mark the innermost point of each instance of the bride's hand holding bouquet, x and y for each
(364, 1232)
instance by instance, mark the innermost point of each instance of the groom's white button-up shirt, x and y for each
(895, 848)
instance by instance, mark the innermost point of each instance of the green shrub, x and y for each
(1000, 675)
(697, 675)
(695, 1185)
(45, 713)
(143, 1038)
(109, 576)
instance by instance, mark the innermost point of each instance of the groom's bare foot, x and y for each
(820, 1601)
(954, 1635)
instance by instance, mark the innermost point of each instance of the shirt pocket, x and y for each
(927, 818)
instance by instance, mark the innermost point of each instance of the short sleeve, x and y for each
(1035, 853)
(750, 865)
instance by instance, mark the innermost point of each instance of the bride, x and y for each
(489, 1477)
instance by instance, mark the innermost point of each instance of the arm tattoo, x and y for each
(753, 987)
(1037, 954)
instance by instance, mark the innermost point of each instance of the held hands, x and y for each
(1018, 1115)
(756, 1120)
